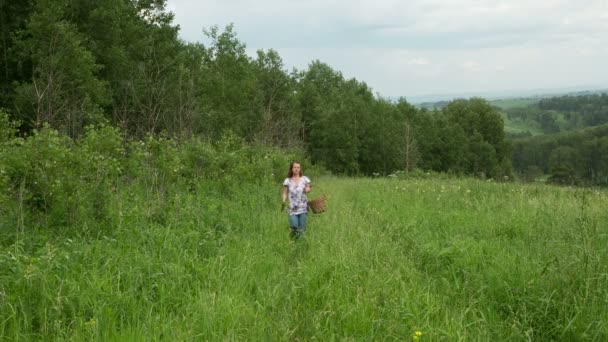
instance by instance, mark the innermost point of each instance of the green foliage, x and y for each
(8, 128)
(54, 183)
(562, 175)
(465, 137)
(334, 137)
(65, 90)
(555, 114)
(276, 118)
(42, 177)
(483, 127)
(121, 63)
(382, 138)
(87, 62)
(513, 103)
(584, 152)
(99, 154)
(228, 85)
(13, 66)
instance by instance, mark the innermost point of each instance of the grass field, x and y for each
(521, 127)
(517, 126)
(453, 259)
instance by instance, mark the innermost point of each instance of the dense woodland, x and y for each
(574, 148)
(575, 157)
(77, 64)
(562, 113)
(73, 64)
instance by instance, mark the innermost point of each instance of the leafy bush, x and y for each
(8, 129)
(100, 157)
(51, 181)
(55, 182)
(563, 175)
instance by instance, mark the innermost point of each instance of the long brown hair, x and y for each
(290, 173)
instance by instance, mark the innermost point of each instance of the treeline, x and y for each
(579, 111)
(577, 157)
(72, 64)
(563, 113)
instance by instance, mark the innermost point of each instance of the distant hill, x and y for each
(439, 100)
(523, 116)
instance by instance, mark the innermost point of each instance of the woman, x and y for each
(295, 187)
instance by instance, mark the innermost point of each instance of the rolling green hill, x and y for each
(514, 102)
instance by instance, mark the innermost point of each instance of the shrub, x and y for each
(563, 175)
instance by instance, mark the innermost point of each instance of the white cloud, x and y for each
(419, 61)
(471, 65)
(422, 46)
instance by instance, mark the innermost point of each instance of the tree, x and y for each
(64, 89)
(488, 152)
(334, 141)
(313, 86)
(410, 147)
(563, 156)
(410, 122)
(547, 122)
(227, 85)
(14, 67)
(275, 118)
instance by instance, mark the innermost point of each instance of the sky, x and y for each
(414, 48)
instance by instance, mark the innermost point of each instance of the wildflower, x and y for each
(91, 323)
(417, 335)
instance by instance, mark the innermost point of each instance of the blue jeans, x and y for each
(298, 225)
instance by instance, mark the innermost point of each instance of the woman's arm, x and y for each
(284, 194)
(307, 187)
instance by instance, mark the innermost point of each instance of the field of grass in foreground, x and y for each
(456, 259)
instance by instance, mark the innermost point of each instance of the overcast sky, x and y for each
(419, 47)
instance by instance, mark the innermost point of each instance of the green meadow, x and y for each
(514, 102)
(519, 126)
(452, 259)
(140, 179)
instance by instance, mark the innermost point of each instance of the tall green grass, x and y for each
(457, 259)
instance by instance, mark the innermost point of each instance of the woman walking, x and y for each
(295, 188)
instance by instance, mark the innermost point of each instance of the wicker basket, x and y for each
(318, 205)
